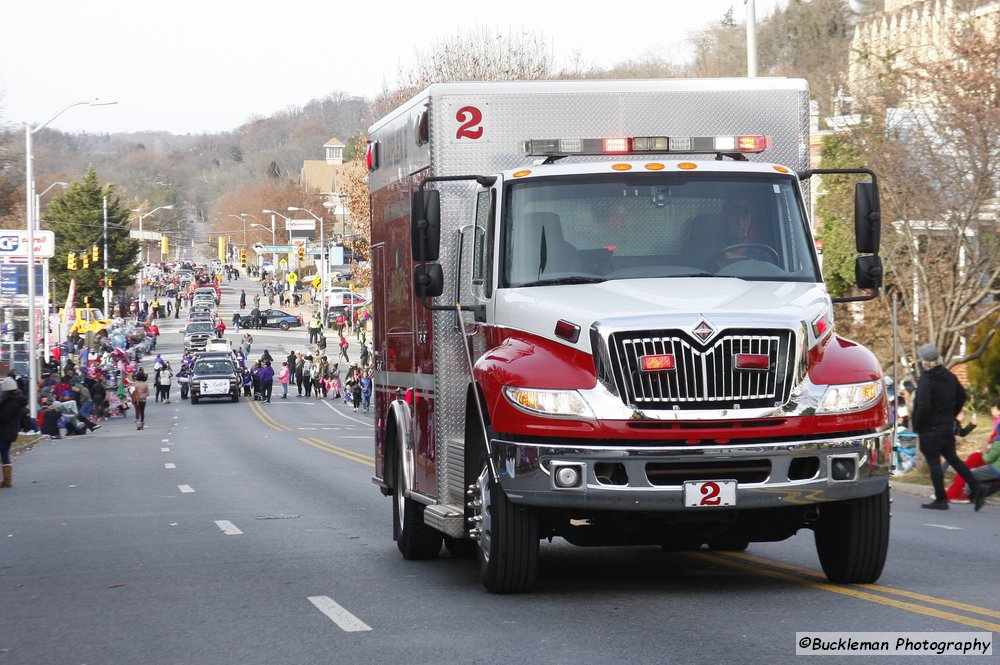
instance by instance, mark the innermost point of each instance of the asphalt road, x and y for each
(251, 533)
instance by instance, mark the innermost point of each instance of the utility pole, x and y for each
(107, 291)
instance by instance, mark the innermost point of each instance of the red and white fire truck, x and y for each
(599, 315)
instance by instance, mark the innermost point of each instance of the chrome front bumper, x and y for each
(525, 473)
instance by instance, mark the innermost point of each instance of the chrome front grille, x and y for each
(705, 376)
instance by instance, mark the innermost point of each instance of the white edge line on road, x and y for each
(337, 614)
(330, 406)
(164, 440)
(945, 526)
(169, 465)
(185, 489)
(164, 450)
(228, 528)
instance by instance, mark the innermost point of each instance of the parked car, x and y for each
(214, 375)
(274, 318)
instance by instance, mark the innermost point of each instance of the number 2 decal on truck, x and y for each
(470, 124)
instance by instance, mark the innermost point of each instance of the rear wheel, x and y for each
(852, 538)
(194, 400)
(284, 325)
(413, 537)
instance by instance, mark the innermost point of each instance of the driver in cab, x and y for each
(738, 218)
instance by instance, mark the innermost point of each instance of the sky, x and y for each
(195, 66)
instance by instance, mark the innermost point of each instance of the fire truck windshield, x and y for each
(577, 229)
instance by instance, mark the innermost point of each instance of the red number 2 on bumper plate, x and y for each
(709, 493)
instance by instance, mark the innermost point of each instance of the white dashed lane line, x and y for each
(185, 489)
(169, 465)
(228, 528)
(337, 614)
(164, 450)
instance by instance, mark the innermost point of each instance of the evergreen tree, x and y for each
(77, 219)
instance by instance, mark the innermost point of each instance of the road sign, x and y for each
(300, 225)
(292, 278)
(276, 249)
(283, 264)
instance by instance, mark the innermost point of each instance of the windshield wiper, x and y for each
(701, 274)
(576, 279)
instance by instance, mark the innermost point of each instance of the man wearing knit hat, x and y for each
(940, 396)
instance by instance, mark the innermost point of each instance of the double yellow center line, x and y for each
(325, 446)
(346, 453)
(873, 593)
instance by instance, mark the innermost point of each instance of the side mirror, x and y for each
(425, 225)
(868, 272)
(867, 218)
(428, 280)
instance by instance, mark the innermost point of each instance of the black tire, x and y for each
(414, 539)
(461, 548)
(728, 545)
(236, 397)
(284, 325)
(194, 400)
(508, 548)
(852, 539)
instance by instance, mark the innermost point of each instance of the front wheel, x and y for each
(413, 537)
(284, 325)
(508, 540)
(852, 538)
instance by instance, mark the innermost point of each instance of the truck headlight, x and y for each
(559, 403)
(850, 397)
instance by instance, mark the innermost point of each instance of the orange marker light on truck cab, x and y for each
(660, 363)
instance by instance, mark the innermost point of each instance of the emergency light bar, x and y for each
(646, 144)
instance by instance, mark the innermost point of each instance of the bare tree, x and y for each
(940, 163)
(479, 55)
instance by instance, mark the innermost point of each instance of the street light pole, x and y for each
(29, 191)
(273, 215)
(46, 291)
(322, 253)
(142, 245)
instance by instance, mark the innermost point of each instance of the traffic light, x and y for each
(95, 253)
(100, 283)
(243, 257)
(111, 283)
(302, 252)
(86, 260)
(71, 261)
(164, 245)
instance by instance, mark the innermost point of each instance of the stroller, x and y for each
(905, 454)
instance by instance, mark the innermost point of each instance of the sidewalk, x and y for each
(925, 491)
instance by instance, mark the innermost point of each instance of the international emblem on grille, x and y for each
(703, 331)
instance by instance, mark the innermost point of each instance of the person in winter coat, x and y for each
(366, 391)
(344, 345)
(166, 381)
(297, 372)
(284, 374)
(13, 409)
(939, 399)
(243, 299)
(140, 392)
(356, 392)
(307, 381)
(265, 376)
